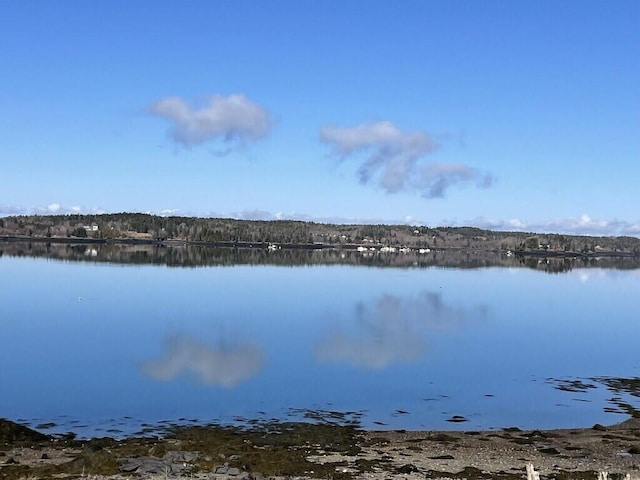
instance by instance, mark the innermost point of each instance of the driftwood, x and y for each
(533, 475)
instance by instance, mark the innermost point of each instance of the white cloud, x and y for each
(58, 209)
(6, 210)
(517, 224)
(581, 225)
(223, 365)
(233, 119)
(396, 159)
(168, 212)
(255, 214)
(266, 215)
(435, 179)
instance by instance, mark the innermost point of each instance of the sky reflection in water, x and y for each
(409, 348)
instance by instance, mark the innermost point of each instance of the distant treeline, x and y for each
(152, 228)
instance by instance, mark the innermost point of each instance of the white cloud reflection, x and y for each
(223, 365)
(392, 330)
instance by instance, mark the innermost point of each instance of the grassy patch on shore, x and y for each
(276, 449)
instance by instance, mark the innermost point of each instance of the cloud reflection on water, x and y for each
(223, 365)
(392, 330)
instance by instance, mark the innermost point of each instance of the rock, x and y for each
(549, 451)
(407, 468)
(174, 463)
(231, 471)
(177, 457)
(129, 465)
(180, 468)
(152, 465)
(13, 433)
(45, 426)
(457, 419)
(96, 444)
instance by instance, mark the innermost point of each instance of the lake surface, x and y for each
(101, 348)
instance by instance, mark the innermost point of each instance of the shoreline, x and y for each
(304, 246)
(321, 451)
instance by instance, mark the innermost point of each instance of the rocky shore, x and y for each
(322, 451)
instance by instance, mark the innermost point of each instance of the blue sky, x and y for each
(514, 115)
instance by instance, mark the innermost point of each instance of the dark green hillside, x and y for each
(140, 227)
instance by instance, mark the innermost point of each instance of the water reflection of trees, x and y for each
(200, 256)
(566, 264)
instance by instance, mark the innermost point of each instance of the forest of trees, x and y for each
(142, 227)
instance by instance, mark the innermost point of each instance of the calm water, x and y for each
(105, 348)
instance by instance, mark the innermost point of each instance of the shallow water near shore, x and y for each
(119, 349)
